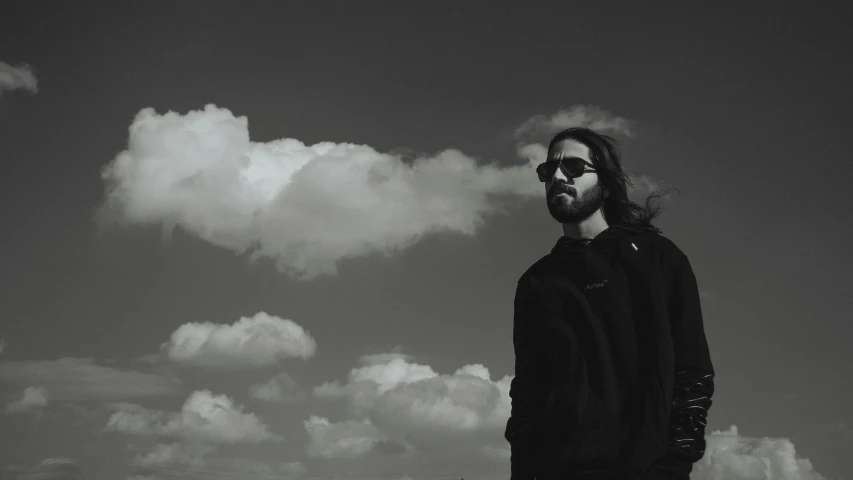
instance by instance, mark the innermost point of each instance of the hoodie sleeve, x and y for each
(694, 377)
(525, 387)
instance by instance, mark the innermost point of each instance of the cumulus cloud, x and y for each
(412, 404)
(17, 77)
(71, 378)
(32, 398)
(309, 207)
(730, 456)
(204, 417)
(256, 341)
(306, 207)
(280, 389)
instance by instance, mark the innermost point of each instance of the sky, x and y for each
(274, 240)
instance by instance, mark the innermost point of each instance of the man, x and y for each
(613, 377)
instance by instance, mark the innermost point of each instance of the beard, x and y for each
(574, 209)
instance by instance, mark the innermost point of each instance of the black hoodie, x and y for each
(613, 377)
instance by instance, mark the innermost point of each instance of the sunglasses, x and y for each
(570, 166)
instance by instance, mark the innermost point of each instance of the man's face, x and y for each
(571, 200)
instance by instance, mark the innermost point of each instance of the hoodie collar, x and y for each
(608, 237)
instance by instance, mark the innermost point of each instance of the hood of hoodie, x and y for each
(608, 238)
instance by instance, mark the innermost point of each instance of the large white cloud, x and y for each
(204, 417)
(20, 77)
(71, 379)
(307, 207)
(255, 341)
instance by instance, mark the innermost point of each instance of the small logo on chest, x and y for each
(594, 285)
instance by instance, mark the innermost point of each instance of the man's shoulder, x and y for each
(537, 266)
(662, 244)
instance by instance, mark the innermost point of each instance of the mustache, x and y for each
(558, 189)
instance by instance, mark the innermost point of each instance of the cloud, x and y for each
(411, 403)
(47, 469)
(14, 78)
(730, 456)
(589, 116)
(204, 417)
(255, 341)
(306, 207)
(70, 378)
(32, 398)
(3, 345)
(279, 389)
(349, 439)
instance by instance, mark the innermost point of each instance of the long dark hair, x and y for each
(605, 155)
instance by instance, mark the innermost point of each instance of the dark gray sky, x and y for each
(744, 108)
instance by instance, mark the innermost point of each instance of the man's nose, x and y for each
(559, 176)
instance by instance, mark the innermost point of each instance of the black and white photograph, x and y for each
(409, 240)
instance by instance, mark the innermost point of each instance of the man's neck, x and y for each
(587, 229)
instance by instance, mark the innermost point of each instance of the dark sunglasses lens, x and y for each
(546, 170)
(572, 168)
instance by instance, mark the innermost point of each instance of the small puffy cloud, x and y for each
(305, 207)
(69, 379)
(589, 116)
(730, 456)
(47, 469)
(256, 341)
(280, 389)
(348, 440)
(17, 77)
(32, 398)
(204, 417)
